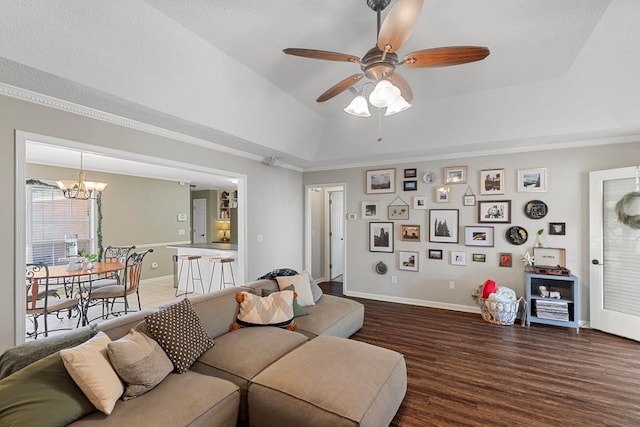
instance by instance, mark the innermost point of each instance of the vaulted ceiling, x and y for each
(560, 73)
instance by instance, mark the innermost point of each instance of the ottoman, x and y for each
(329, 381)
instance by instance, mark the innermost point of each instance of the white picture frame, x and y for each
(442, 194)
(533, 180)
(371, 209)
(380, 181)
(408, 260)
(478, 236)
(458, 258)
(491, 182)
(419, 202)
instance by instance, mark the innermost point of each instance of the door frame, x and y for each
(308, 262)
(22, 138)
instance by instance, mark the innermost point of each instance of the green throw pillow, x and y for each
(22, 355)
(298, 310)
(42, 393)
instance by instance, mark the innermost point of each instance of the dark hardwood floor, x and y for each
(463, 371)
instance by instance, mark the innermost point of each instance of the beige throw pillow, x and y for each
(89, 366)
(275, 309)
(140, 362)
(302, 284)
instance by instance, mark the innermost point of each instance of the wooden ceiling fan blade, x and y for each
(321, 54)
(445, 56)
(398, 25)
(403, 85)
(340, 87)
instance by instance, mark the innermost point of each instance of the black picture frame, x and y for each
(410, 185)
(444, 225)
(411, 173)
(435, 254)
(557, 228)
(381, 236)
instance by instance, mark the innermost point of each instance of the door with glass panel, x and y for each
(614, 200)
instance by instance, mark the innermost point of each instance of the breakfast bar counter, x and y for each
(206, 251)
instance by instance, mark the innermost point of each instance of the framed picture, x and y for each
(408, 261)
(468, 200)
(532, 180)
(411, 173)
(478, 236)
(458, 258)
(395, 212)
(410, 233)
(479, 258)
(443, 225)
(494, 212)
(491, 182)
(371, 210)
(381, 181)
(443, 194)
(419, 202)
(381, 237)
(505, 259)
(549, 256)
(455, 175)
(435, 253)
(557, 228)
(410, 185)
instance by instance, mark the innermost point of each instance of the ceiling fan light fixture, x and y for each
(384, 94)
(358, 107)
(400, 105)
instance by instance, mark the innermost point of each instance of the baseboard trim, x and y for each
(156, 279)
(413, 301)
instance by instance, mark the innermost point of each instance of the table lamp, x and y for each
(224, 226)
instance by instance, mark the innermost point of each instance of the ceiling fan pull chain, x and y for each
(379, 125)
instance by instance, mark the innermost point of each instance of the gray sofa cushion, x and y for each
(187, 399)
(345, 383)
(336, 316)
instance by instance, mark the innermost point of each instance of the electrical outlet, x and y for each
(452, 284)
(394, 280)
(181, 232)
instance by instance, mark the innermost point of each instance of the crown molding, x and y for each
(81, 110)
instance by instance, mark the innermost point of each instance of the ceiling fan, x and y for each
(380, 62)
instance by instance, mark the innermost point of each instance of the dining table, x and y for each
(76, 278)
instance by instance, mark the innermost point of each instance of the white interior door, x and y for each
(199, 221)
(615, 254)
(336, 204)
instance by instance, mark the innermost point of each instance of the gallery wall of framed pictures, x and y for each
(490, 220)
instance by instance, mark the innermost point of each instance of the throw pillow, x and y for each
(302, 284)
(140, 362)
(273, 310)
(89, 366)
(278, 272)
(178, 330)
(315, 289)
(298, 310)
(42, 393)
(22, 355)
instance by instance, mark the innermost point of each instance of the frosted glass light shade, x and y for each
(400, 105)
(358, 107)
(384, 94)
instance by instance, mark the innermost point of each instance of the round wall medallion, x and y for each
(535, 209)
(429, 178)
(381, 268)
(516, 235)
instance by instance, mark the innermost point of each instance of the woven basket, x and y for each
(499, 313)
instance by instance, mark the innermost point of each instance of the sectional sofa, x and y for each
(265, 376)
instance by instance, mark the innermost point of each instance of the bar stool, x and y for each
(190, 271)
(222, 261)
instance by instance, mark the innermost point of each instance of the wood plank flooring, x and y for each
(463, 371)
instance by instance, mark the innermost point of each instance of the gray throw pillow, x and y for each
(178, 330)
(22, 355)
(139, 361)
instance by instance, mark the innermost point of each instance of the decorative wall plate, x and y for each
(535, 209)
(429, 178)
(516, 235)
(381, 268)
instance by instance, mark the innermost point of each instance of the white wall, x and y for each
(567, 199)
(274, 195)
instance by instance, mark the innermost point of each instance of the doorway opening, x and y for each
(325, 235)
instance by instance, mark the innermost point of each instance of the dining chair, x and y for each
(129, 284)
(111, 254)
(43, 299)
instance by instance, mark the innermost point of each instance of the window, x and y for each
(50, 216)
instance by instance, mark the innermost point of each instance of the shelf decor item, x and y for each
(554, 257)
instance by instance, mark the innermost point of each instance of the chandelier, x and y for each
(81, 189)
(384, 95)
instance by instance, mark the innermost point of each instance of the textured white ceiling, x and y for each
(560, 71)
